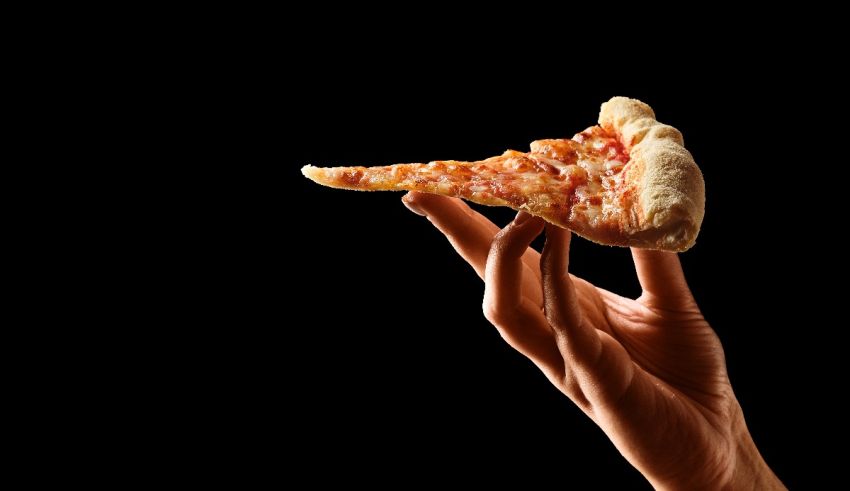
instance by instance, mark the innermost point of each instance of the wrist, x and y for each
(750, 470)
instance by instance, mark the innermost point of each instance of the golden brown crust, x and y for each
(669, 202)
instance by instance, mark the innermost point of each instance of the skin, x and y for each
(650, 371)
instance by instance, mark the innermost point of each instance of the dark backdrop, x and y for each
(377, 356)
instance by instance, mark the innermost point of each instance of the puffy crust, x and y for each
(668, 208)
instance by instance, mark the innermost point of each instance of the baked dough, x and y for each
(669, 205)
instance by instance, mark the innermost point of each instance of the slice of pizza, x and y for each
(628, 181)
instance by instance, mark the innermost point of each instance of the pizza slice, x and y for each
(628, 181)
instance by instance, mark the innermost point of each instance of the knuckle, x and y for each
(571, 387)
(570, 383)
(502, 241)
(508, 337)
(495, 314)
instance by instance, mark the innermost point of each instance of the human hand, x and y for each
(650, 372)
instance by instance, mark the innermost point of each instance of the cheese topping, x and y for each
(576, 181)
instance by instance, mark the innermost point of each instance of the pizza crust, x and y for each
(668, 203)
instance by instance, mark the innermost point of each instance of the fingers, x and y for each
(598, 369)
(503, 272)
(469, 232)
(518, 320)
(578, 342)
(661, 278)
(470, 235)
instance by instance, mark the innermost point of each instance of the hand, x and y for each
(650, 372)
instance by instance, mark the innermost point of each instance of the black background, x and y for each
(377, 356)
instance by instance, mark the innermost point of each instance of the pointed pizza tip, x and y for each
(310, 172)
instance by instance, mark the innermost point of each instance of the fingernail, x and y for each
(412, 206)
(521, 218)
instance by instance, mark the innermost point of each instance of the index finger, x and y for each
(469, 232)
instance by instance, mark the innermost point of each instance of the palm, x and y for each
(675, 410)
